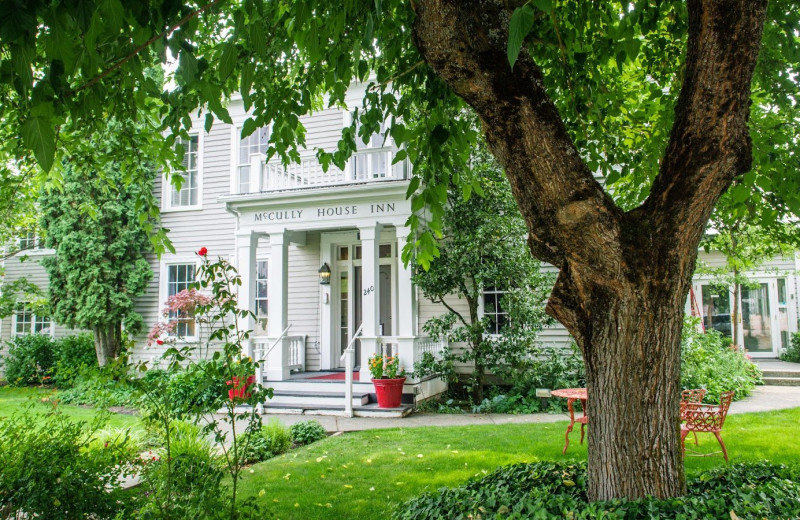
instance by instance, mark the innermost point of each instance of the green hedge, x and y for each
(548, 490)
(792, 352)
(35, 359)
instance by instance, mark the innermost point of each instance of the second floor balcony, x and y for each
(365, 166)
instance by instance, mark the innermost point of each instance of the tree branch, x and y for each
(116, 66)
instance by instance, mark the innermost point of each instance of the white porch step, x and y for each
(313, 398)
(370, 410)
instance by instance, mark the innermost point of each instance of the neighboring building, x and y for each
(282, 226)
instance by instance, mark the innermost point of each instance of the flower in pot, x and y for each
(388, 378)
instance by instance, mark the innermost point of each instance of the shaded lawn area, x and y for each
(368, 474)
(15, 400)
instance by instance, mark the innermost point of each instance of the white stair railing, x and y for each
(262, 359)
(348, 358)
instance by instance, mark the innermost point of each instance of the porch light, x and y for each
(325, 274)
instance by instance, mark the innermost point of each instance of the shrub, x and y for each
(95, 386)
(76, 355)
(192, 391)
(306, 432)
(54, 469)
(708, 361)
(30, 360)
(792, 352)
(558, 490)
(271, 440)
(193, 471)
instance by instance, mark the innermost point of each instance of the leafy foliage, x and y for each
(99, 266)
(306, 432)
(482, 247)
(54, 469)
(709, 361)
(557, 490)
(31, 359)
(792, 353)
(76, 355)
(271, 440)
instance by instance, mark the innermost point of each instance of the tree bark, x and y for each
(624, 276)
(107, 343)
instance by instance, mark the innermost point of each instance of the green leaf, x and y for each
(519, 27)
(227, 61)
(209, 122)
(39, 136)
(248, 127)
(544, 5)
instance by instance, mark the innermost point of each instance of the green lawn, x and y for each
(14, 400)
(367, 474)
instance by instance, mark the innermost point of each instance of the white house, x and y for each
(282, 227)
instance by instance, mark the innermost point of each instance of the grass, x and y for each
(368, 474)
(14, 400)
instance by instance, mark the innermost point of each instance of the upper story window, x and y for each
(29, 240)
(28, 322)
(498, 317)
(180, 277)
(254, 144)
(189, 193)
(373, 159)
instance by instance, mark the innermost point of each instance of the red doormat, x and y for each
(338, 376)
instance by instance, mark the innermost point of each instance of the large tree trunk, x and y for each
(624, 276)
(107, 343)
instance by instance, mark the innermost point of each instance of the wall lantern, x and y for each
(325, 274)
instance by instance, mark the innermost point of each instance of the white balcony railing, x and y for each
(410, 350)
(369, 165)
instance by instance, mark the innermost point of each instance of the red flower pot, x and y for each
(239, 389)
(389, 391)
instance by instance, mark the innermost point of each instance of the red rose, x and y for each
(203, 251)
(160, 342)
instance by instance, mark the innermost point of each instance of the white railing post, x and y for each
(348, 356)
(263, 359)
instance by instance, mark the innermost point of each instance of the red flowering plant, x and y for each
(211, 302)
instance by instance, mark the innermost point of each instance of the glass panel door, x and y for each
(783, 313)
(756, 319)
(385, 287)
(344, 312)
(716, 309)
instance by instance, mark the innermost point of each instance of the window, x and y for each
(371, 160)
(180, 277)
(27, 322)
(254, 144)
(29, 240)
(262, 296)
(493, 310)
(189, 194)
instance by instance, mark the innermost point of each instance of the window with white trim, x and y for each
(498, 317)
(262, 296)
(28, 322)
(254, 144)
(29, 240)
(372, 160)
(189, 193)
(180, 277)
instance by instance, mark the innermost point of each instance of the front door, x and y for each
(764, 320)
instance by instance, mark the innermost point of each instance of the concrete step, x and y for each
(781, 373)
(306, 398)
(369, 410)
(782, 381)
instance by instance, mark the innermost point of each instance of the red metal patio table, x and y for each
(571, 395)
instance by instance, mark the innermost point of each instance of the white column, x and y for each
(277, 292)
(370, 297)
(406, 304)
(246, 244)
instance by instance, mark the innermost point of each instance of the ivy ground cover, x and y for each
(371, 473)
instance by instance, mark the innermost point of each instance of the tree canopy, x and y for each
(672, 102)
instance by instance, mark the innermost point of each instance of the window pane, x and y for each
(179, 278)
(385, 251)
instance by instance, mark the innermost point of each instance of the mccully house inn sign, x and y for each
(325, 212)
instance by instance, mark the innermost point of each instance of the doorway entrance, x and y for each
(348, 293)
(763, 324)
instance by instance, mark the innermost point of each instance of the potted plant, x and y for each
(388, 378)
(239, 385)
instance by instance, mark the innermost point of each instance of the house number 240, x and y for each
(369, 290)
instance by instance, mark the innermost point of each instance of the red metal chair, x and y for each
(708, 418)
(691, 397)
